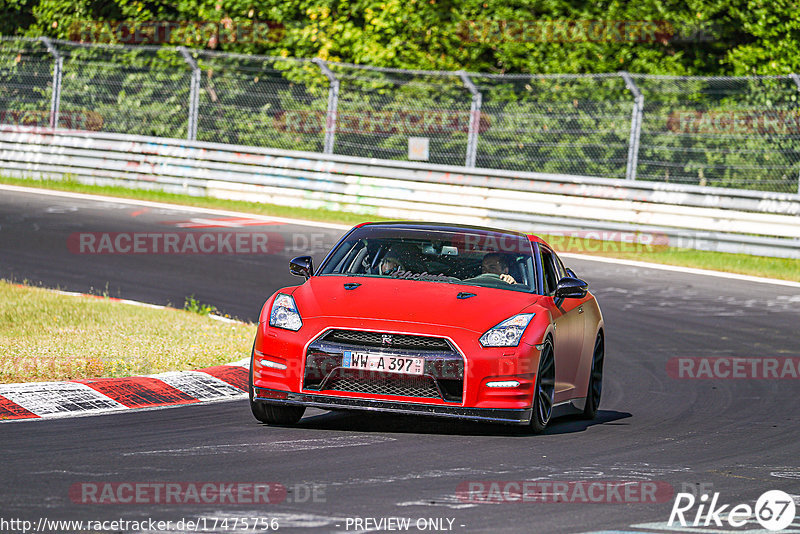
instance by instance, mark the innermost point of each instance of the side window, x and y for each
(561, 271)
(550, 276)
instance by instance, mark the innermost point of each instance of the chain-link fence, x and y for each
(725, 132)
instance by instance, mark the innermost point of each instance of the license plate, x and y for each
(386, 363)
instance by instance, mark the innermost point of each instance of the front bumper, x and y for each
(299, 353)
(328, 402)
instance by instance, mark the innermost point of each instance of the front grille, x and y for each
(380, 339)
(442, 378)
(381, 384)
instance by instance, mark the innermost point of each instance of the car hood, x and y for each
(433, 303)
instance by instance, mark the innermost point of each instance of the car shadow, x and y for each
(354, 421)
(569, 424)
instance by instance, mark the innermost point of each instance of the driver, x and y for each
(390, 264)
(496, 263)
(400, 257)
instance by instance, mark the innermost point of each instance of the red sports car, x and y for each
(431, 319)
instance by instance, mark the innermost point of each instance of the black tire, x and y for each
(595, 388)
(272, 414)
(544, 389)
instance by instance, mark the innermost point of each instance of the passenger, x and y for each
(496, 263)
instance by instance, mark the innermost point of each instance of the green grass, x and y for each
(48, 336)
(781, 268)
(321, 215)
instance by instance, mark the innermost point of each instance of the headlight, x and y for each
(284, 313)
(508, 333)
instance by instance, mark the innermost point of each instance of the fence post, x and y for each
(796, 80)
(194, 94)
(474, 119)
(636, 126)
(58, 68)
(333, 106)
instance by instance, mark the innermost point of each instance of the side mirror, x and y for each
(302, 266)
(571, 288)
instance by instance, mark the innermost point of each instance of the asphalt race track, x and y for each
(738, 437)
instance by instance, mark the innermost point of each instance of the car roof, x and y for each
(453, 227)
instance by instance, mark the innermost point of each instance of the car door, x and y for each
(569, 326)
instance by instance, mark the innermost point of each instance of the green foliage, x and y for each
(709, 37)
(192, 305)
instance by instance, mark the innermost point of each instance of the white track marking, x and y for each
(684, 270)
(201, 386)
(751, 527)
(54, 399)
(113, 299)
(174, 207)
(793, 474)
(244, 362)
(274, 446)
(444, 501)
(315, 224)
(286, 520)
(145, 305)
(223, 319)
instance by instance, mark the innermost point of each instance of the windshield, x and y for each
(467, 257)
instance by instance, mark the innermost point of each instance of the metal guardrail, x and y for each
(726, 132)
(703, 218)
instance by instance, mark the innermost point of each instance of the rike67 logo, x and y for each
(774, 510)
